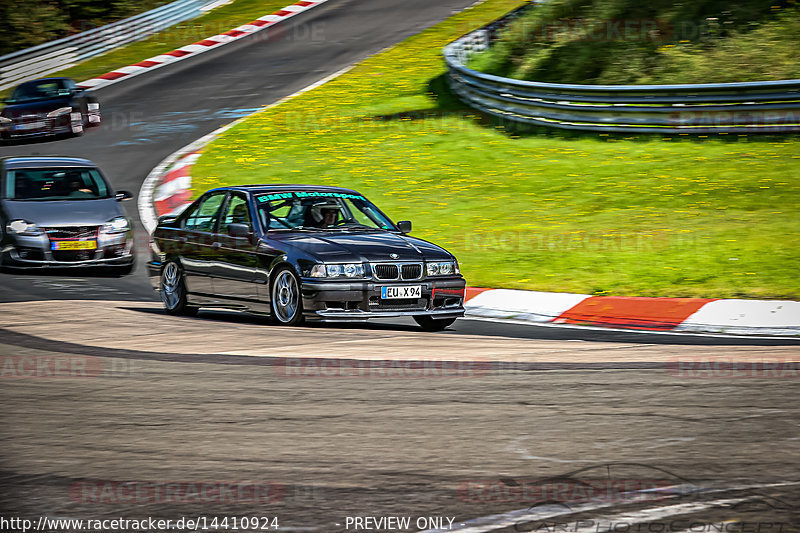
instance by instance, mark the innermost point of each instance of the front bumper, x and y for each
(361, 300)
(61, 125)
(35, 252)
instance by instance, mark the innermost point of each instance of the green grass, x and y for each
(214, 22)
(646, 217)
(703, 41)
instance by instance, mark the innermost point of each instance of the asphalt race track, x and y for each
(112, 409)
(150, 116)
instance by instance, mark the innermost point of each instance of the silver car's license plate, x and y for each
(397, 292)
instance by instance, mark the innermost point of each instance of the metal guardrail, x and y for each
(40, 60)
(750, 107)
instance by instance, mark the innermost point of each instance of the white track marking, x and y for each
(675, 333)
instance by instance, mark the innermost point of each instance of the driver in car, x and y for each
(324, 214)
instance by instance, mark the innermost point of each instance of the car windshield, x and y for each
(55, 184)
(39, 90)
(298, 210)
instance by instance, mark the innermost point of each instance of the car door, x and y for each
(197, 250)
(235, 271)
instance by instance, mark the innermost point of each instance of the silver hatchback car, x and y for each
(62, 212)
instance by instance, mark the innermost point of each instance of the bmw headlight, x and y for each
(58, 112)
(442, 268)
(5, 121)
(23, 227)
(116, 225)
(346, 270)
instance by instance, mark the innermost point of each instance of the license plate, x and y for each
(75, 245)
(400, 292)
(29, 126)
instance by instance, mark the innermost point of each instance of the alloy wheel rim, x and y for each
(286, 296)
(170, 286)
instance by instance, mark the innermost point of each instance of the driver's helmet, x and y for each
(318, 209)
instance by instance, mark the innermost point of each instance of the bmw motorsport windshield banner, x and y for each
(307, 194)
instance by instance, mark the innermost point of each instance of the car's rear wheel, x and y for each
(173, 291)
(433, 324)
(286, 301)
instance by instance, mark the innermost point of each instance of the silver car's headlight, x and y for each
(23, 227)
(442, 268)
(59, 111)
(346, 270)
(116, 225)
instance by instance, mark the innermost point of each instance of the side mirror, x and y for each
(122, 195)
(239, 230)
(166, 219)
(404, 226)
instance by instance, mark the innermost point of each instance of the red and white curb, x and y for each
(174, 191)
(734, 317)
(209, 43)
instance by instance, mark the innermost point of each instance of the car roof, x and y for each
(45, 162)
(54, 78)
(258, 189)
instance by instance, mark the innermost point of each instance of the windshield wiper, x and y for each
(354, 225)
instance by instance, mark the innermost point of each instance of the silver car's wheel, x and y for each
(173, 291)
(286, 298)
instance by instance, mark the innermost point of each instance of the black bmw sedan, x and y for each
(49, 106)
(298, 252)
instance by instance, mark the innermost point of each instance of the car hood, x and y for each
(34, 107)
(365, 246)
(63, 212)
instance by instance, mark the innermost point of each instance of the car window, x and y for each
(237, 212)
(204, 217)
(319, 209)
(39, 89)
(55, 184)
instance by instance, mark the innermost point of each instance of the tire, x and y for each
(173, 291)
(286, 301)
(433, 324)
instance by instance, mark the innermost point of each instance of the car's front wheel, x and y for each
(433, 324)
(173, 291)
(286, 300)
